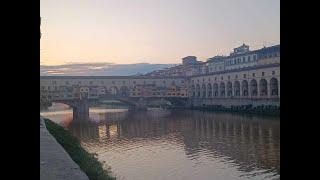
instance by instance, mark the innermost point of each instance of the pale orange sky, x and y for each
(157, 31)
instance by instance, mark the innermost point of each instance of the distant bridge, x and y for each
(82, 104)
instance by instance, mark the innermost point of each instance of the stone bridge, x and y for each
(81, 105)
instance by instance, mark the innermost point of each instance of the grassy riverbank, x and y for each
(86, 161)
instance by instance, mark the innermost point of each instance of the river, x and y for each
(178, 144)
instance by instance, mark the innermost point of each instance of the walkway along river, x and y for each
(179, 144)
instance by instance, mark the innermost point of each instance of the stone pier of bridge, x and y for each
(81, 110)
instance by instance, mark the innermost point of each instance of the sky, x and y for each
(153, 31)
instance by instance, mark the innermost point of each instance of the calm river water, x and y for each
(178, 144)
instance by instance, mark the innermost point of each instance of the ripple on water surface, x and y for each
(180, 144)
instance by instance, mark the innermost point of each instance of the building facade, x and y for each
(242, 77)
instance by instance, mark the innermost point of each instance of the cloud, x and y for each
(100, 69)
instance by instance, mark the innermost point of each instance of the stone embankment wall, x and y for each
(229, 102)
(55, 162)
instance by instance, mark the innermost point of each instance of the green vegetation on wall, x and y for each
(86, 161)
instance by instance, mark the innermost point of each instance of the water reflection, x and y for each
(183, 144)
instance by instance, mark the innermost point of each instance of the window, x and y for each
(54, 82)
(236, 76)
(215, 78)
(244, 76)
(112, 82)
(262, 73)
(254, 58)
(273, 72)
(244, 59)
(229, 77)
(123, 82)
(67, 82)
(134, 82)
(249, 58)
(91, 82)
(221, 77)
(253, 74)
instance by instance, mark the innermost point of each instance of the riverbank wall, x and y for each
(87, 162)
(55, 163)
(254, 106)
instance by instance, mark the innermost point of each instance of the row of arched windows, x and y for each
(236, 89)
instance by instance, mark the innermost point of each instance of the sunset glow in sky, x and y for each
(153, 31)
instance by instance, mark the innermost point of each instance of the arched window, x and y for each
(229, 89)
(263, 85)
(114, 90)
(198, 90)
(222, 89)
(193, 90)
(274, 87)
(215, 90)
(209, 90)
(124, 91)
(237, 88)
(204, 90)
(253, 88)
(245, 88)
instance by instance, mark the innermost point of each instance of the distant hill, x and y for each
(100, 69)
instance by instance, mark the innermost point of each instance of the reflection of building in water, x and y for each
(242, 139)
(249, 141)
(144, 124)
(84, 129)
(115, 116)
(113, 130)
